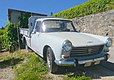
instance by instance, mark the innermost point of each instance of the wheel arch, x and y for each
(23, 42)
(23, 39)
(44, 51)
(55, 48)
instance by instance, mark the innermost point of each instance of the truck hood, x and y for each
(77, 39)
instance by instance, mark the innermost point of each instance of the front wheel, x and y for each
(52, 67)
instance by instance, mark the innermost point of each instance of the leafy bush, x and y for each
(0, 43)
(2, 31)
(90, 7)
(23, 20)
(10, 40)
(9, 37)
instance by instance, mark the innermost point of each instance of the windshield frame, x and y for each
(43, 25)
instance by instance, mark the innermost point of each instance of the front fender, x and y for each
(54, 43)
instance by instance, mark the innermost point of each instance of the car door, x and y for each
(35, 37)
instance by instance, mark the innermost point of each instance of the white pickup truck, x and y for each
(58, 42)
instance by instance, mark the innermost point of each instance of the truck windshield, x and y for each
(58, 26)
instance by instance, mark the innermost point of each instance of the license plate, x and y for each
(97, 62)
(87, 64)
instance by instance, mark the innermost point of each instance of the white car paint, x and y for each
(56, 39)
(39, 40)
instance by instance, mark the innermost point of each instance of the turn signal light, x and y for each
(66, 56)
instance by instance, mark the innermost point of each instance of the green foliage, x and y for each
(2, 31)
(23, 20)
(79, 78)
(72, 76)
(90, 7)
(10, 37)
(0, 42)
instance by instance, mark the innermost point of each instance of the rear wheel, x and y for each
(52, 67)
(28, 48)
(25, 46)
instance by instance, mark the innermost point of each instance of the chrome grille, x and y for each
(85, 51)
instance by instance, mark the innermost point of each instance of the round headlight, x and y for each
(67, 46)
(109, 42)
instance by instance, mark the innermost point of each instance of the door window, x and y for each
(37, 28)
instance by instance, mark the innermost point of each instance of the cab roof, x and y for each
(50, 18)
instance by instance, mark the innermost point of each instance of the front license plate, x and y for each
(97, 62)
(87, 64)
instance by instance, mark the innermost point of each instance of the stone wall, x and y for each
(100, 24)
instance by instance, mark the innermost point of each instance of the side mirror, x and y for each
(78, 30)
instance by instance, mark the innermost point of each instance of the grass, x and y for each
(29, 66)
(78, 78)
(32, 68)
(72, 76)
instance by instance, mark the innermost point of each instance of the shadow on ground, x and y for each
(104, 69)
(9, 62)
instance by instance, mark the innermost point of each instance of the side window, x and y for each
(38, 25)
(69, 27)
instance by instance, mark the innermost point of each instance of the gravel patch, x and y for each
(6, 74)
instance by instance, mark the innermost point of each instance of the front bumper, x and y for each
(76, 62)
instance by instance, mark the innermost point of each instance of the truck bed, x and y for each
(24, 31)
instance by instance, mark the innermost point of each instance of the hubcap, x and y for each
(48, 59)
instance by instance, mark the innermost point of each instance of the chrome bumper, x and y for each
(81, 61)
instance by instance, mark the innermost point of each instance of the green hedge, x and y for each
(23, 20)
(8, 37)
(90, 7)
(2, 31)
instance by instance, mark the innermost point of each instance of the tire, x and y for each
(25, 46)
(52, 67)
(28, 48)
